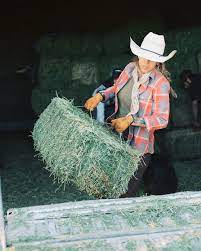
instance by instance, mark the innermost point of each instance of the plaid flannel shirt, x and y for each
(153, 107)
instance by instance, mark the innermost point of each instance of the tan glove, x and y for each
(121, 124)
(92, 102)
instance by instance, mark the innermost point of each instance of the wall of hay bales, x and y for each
(74, 65)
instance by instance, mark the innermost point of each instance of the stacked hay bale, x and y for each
(75, 64)
(188, 173)
(183, 144)
(183, 147)
(64, 68)
(79, 150)
(181, 110)
(54, 75)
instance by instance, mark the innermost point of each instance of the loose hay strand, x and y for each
(78, 150)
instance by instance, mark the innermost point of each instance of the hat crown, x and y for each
(154, 43)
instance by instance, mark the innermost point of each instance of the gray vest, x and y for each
(124, 99)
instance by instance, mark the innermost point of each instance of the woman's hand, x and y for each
(121, 124)
(92, 102)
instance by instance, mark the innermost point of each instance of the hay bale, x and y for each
(87, 44)
(41, 98)
(183, 144)
(181, 110)
(188, 174)
(79, 150)
(85, 71)
(54, 73)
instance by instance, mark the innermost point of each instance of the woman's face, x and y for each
(146, 65)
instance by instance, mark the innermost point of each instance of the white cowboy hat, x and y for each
(152, 48)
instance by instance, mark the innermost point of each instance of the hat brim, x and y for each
(140, 52)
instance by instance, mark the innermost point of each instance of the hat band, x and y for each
(151, 51)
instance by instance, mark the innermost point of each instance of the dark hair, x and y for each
(115, 73)
(185, 74)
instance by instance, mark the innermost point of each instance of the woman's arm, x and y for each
(107, 93)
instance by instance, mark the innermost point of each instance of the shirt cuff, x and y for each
(102, 94)
(136, 119)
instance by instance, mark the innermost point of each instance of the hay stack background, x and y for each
(188, 174)
(183, 144)
(77, 149)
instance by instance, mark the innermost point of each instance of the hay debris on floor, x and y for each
(79, 150)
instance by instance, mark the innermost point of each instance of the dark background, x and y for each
(34, 18)
(22, 23)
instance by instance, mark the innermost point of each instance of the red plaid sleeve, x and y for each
(161, 107)
(108, 92)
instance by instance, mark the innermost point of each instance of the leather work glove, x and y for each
(121, 124)
(92, 102)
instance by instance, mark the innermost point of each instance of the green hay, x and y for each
(54, 73)
(155, 222)
(24, 181)
(87, 44)
(78, 149)
(86, 71)
(188, 174)
(186, 242)
(41, 98)
(183, 144)
(181, 110)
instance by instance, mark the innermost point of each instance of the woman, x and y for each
(141, 100)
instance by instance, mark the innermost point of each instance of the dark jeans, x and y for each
(135, 180)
